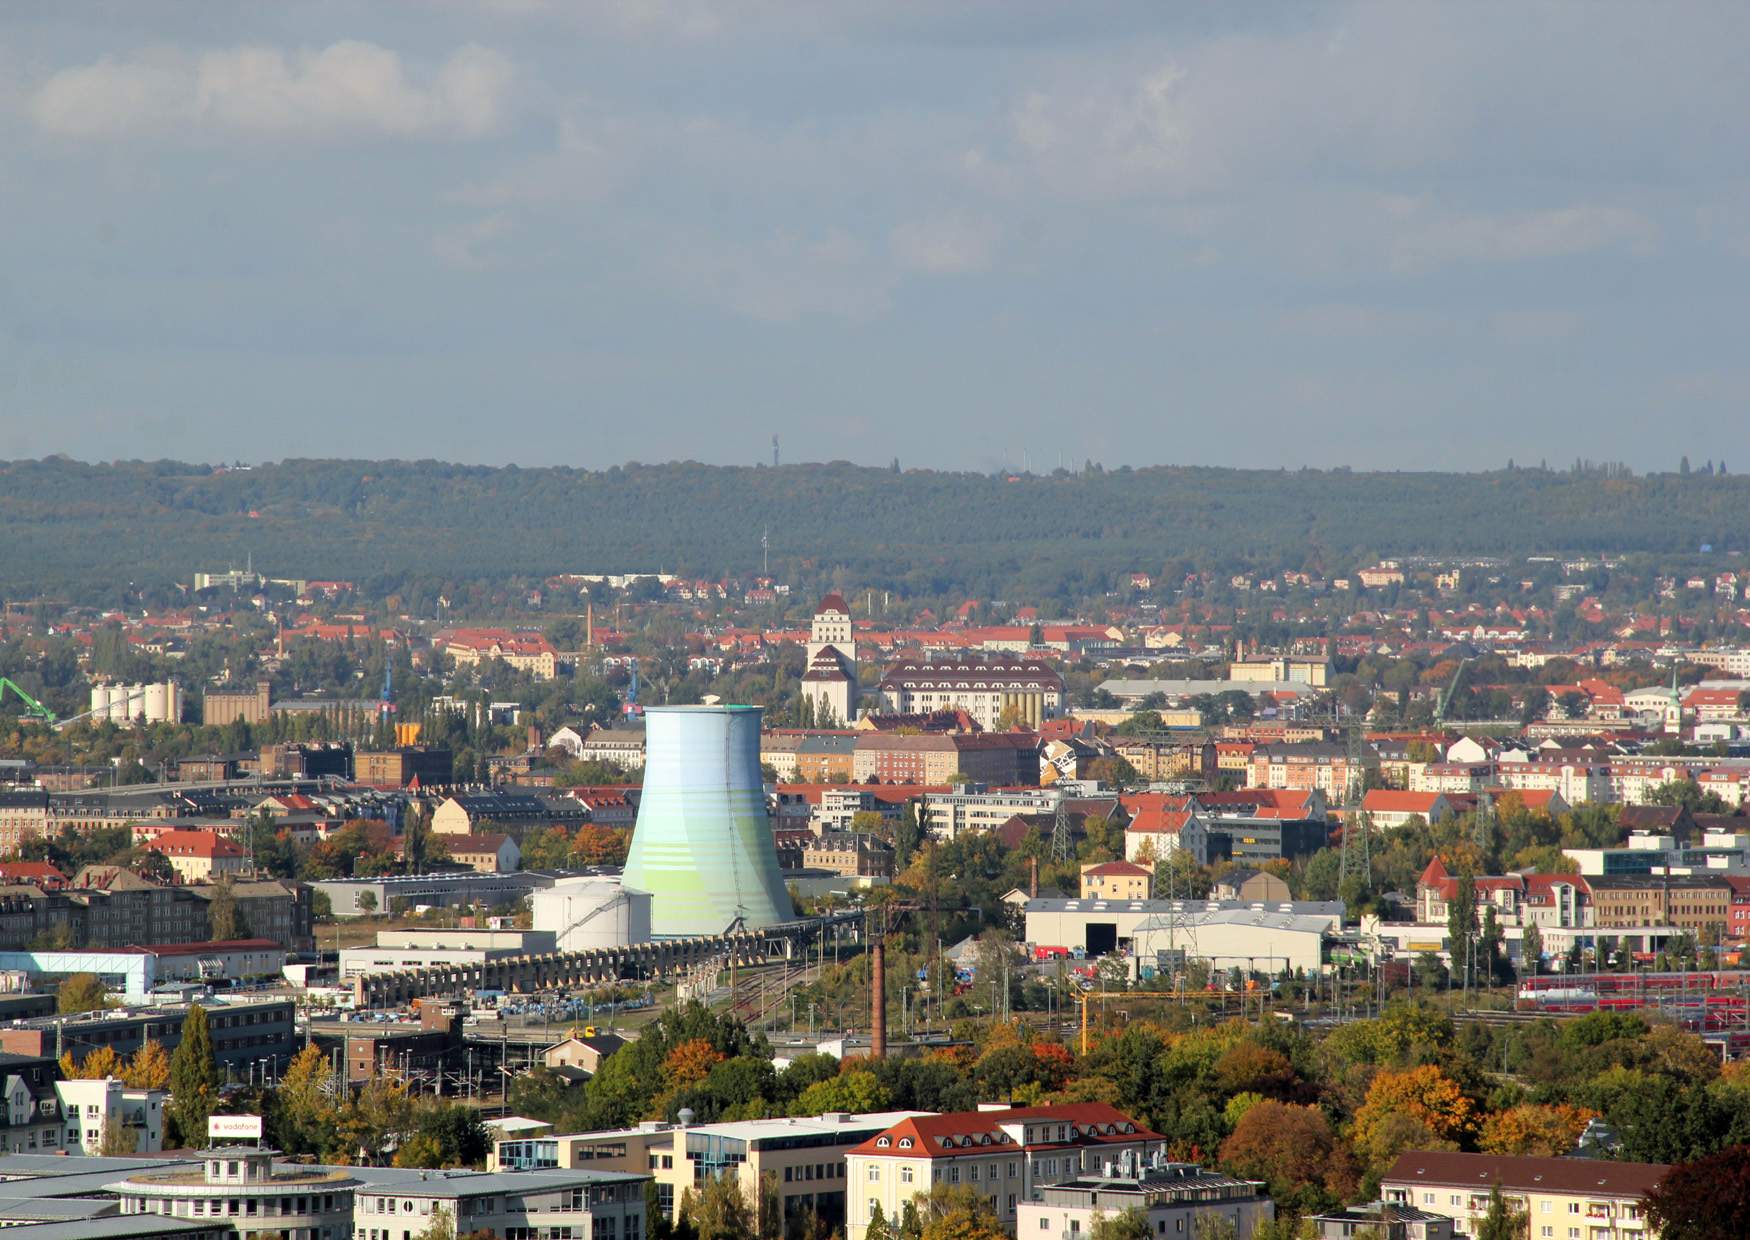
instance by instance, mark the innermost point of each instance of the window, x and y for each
(874, 1175)
(905, 1175)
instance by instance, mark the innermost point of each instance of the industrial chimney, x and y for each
(703, 844)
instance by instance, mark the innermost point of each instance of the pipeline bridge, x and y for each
(660, 959)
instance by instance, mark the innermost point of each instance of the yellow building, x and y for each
(1563, 1198)
(1000, 1152)
(1116, 880)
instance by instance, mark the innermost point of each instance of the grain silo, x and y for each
(703, 844)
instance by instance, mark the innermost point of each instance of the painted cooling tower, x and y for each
(703, 844)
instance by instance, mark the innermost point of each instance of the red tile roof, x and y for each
(958, 1134)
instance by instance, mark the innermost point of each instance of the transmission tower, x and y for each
(1062, 846)
(1356, 857)
(1485, 818)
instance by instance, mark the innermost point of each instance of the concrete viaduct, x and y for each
(659, 958)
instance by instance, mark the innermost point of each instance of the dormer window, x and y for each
(905, 1143)
(882, 1142)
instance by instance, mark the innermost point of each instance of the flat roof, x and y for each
(413, 1182)
(114, 1227)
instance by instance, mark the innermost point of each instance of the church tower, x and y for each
(830, 682)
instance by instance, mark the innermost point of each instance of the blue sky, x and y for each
(965, 234)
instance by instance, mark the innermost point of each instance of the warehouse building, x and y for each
(1097, 927)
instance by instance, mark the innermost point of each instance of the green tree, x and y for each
(1502, 1222)
(223, 919)
(367, 902)
(82, 992)
(1461, 922)
(194, 1078)
(441, 1227)
(877, 1228)
(1129, 1224)
(1531, 947)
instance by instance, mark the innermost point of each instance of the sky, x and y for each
(974, 234)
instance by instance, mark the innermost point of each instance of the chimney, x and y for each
(1033, 878)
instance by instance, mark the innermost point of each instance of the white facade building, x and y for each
(93, 1107)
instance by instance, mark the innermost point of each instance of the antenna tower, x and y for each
(1485, 818)
(774, 452)
(766, 549)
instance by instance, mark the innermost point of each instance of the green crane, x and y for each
(33, 709)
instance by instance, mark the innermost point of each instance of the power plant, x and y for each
(703, 843)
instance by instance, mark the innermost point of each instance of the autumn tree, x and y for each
(149, 1068)
(719, 1210)
(81, 992)
(223, 918)
(1546, 1131)
(1427, 1094)
(690, 1062)
(960, 1212)
(100, 1063)
(302, 1114)
(1294, 1151)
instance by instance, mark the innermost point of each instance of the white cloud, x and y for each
(945, 245)
(1430, 240)
(346, 90)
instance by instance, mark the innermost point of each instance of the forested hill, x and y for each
(69, 525)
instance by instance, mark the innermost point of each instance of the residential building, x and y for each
(399, 1204)
(981, 757)
(1389, 808)
(1002, 1153)
(24, 815)
(1318, 765)
(947, 814)
(1562, 1198)
(1160, 825)
(201, 856)
(469, 812)
(485, 853)
(526, 651)
(1116, 880)
(92, 1108)
(621, 747)
(853, 853)
(1174, 1199)
(1251, 887)
(995, 691)
(805, 1157)
(1698, 903)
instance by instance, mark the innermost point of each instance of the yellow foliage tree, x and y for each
(149, 1068)
(98, 1064)
(1534, 1129)
(1427, 1095)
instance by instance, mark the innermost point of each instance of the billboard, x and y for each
(234, 1127)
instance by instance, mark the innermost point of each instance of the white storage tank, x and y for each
(583, 914)
(99, 701)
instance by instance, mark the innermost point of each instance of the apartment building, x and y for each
(948, 814)
(24, 815)
(1563, 1198)
(200, 856)
(934, 758)
(1696, 903)
(1004, 1153)
(804, 1156)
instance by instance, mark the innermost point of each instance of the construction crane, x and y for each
(33, 709)
(1443, 701)
(1178, 994)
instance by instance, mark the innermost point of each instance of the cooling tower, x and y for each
(703, 844)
